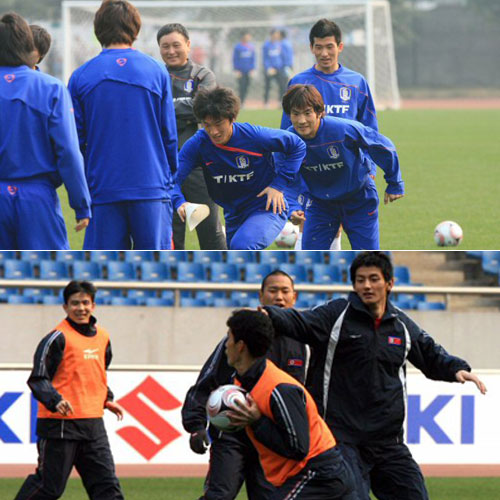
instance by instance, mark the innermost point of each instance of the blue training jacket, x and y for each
(126, 124)
(238, 171)
(336, 164)
(38, 139)
(244, 57)
(346, 94)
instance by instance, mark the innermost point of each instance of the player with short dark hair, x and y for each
(233, 459)
(239, 166)
(126, 124)
(69, 381)
(187, 78)
(360, 348)
(38, 148)
(42, 40)
(336, 172)
(297, 450)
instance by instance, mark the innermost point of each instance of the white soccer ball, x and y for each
(222, 400)
(288, 236)
(448, 234)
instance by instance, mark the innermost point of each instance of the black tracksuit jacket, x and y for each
(357, 373)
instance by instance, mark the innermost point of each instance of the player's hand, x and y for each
(275, 198)
(82, 224)
(64, 407)
(391, 197)
(262, 310)
(114, 408)
(464, 376)
(244, 414)
(297, 217)
(199, 441)
(182, 211)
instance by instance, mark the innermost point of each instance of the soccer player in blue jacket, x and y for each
(126, 124)
(38, 148)
(336, 172)
(241, 173)
(244, 63)
(274, 59)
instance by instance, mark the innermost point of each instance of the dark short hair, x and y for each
(254, 328)
(217, 103)
(324, 28)
(375, 259)
(42, 40)
(116, 21)
(170, 28)
(301, 96)
(16, 41)
(79, 287)
(276, 272)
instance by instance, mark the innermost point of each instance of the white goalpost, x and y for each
(215, 27)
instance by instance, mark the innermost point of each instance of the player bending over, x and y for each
(242, 175)
(336, 172)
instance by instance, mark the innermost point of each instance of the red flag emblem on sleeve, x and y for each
(394, 340)
(295, 362)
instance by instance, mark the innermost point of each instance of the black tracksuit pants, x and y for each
(56, 457)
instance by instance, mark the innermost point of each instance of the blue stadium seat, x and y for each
(120, 271)
(225, 302)
(326, 274)
(140, 296)
(104, 295)
(431, 306)
(52, 300)
(35, 256)
(206, 257)
(405, 304)
(239, 257)
(102, 256)
(168, 295)
(123, 301)
(410, 299)
(342, 259)
(243, 299)
(220, 272)
(401, 275)
(6, 291)
(296, 271)
(137, 256)
(309, 257)
(154, 271)
(53, 270)
(172, 257)
(38, 294)
(311, 299)
(491, 262)
(255, 273)
(192, 302)
(7, 254)
(85, 270)
(17, 269)
(209, 296)
(475, 254)
(159, 302)
(273, 257)
(190, 271)
(70, 256)
(20, 299)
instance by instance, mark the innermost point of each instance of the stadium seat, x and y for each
(431, 306)
(192, 302)
(296, 271)
(168, 295)
(243, 299)
(255, 273)
(220, 272)
(311, 299)
(206, 257)
(491, 262)
(209, 296)
(7, 254)
(342, 259)
(159, 302)
(140, 296)
(104, 295)
(308, 257)
(70, 256)
(326, 274)
(53, 270)
(35, 256)
(38, 294)
(410, 299)
(17, 269)
(239, 257)
(85, 270)
(20, 299)
(154, 271)
(190, 271)
(172, 257)
(138, 256)
(405, 304)
(273, 258)
(52, 300)
(225, 302)
(102, 256)
(5, 292)
(123, 301)
(120, 271)
(401, 275)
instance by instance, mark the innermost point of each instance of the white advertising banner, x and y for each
(447, 423)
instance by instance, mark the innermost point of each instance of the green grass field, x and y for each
(450, 164)
(189, 489)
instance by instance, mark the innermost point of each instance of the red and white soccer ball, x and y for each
(288, 236)
(220, 401)
(448, 234)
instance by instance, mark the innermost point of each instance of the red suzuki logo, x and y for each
(151, 390)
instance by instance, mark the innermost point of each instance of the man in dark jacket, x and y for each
(233, 459)
(187, 77)
(358, 375)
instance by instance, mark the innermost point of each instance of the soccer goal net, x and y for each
(215, 26)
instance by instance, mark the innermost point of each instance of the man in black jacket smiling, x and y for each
(358, 375)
